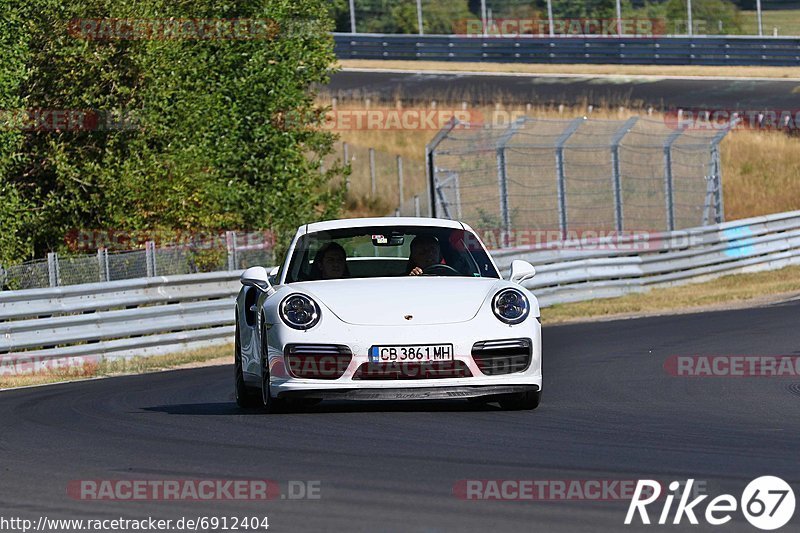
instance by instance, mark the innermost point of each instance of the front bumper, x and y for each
(463, 336)
(410, 393)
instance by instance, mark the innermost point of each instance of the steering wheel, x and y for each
(439, 269)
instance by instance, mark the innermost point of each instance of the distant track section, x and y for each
(723, 50)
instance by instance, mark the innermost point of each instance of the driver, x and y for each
(425, 252)
(330, 262)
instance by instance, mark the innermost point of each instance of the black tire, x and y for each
(268, 403)
(522, 401)
(245, 397)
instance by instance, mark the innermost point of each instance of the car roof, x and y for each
(328, 225)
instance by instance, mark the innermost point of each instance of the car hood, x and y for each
(388, 301)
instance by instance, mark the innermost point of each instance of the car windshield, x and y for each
(385, 251)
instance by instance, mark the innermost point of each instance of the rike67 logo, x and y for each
(767, 503)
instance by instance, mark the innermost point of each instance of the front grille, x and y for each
(503, 356)
(430, 370)
(317, 361)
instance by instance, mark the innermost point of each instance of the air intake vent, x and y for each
(317, 361)
(430, 370)
(502, 356)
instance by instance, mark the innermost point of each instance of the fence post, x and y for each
(102, 263)
(150, 258)
(719, 204)
(352, 16)
(615, 141)
(669, 192)
(430, 165)
(52, 269)
(400, 179)
(230, 245)
(346, 162)
(419, 17)
(502, 181)
(372, 171)
(561, 182)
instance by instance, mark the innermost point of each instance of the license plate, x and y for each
(411, 353)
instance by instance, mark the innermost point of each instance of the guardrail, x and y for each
(728, 50)
(151, 316)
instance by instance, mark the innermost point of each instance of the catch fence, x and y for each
(559, 177)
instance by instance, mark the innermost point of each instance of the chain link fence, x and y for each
(228, 251)
(551, 18)
(557, 177)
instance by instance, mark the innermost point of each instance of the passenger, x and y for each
(330, 262)
(425, 252)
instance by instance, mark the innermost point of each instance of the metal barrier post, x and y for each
(716, 176)
(615, 141)
(400, 179)
(346, 150)
(561, 184)
(150, 258)
(430, 164)
(669, 192)
(102, 264)
(52, 269)
(374, 188)
(230, 245)
(352, 16)
(502, 181)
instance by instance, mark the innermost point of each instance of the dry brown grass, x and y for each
(760, 173)
(734, 289)
(625, 70)
(135, 365)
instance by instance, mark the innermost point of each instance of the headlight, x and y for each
(511, 306)
(299, 311)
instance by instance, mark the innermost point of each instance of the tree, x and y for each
(203, 145)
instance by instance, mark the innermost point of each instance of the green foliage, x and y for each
(204, 146)
(708, 16)
(400, 16)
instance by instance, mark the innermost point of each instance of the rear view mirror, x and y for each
(521, 271)
(256, 277)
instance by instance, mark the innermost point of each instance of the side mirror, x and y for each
(521, 271)
(256, 277)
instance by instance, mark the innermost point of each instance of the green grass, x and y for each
(787, 21)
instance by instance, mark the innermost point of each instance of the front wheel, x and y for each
(521, 401)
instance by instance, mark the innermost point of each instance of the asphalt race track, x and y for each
(609, 411)
(659, 92)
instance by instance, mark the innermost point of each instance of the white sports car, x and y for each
(387, 308)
